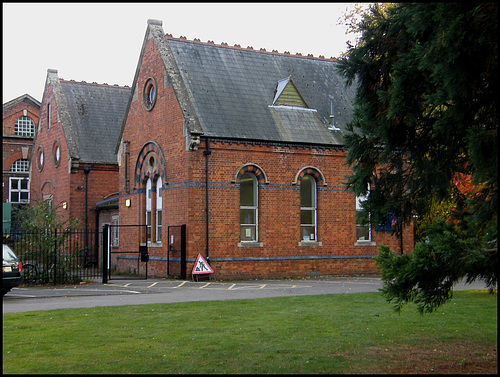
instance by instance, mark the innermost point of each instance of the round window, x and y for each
(149, 94)
(39, 158)
(56, 153)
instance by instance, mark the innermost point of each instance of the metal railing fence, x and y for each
(57, 256)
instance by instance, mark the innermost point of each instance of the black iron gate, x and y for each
(176, 254)
(128, 260)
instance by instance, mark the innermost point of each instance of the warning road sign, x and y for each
(201, 266)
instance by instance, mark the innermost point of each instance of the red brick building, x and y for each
(18, 131)
(245, 148)
(73, 161)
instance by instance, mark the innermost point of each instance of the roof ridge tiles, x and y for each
(94, 83)
(248, 48)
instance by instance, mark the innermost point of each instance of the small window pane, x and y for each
(307, 216)
(14, 184)
(306, 191)
(362, 233)
(248, 233)
(14, 197)
(308, 233)
(158, 226)
(247, 216)
(247, 190)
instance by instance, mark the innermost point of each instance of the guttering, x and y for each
(280, 143)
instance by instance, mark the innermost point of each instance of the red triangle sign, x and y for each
(201, 266)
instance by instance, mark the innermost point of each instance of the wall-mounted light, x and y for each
(65, 205)
(127, 203)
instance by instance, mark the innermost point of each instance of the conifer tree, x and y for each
(425, 124)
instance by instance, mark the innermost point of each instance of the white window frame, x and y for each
(24, 126)
(254, 208)
(148, 210)
(359, 200)
(115, 234)
(314, 209)
(159, 207)
(20, 166)
(19, 190)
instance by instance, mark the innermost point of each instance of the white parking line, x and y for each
(180, 285)
(231, 287)
(152, 285)
(206, 285)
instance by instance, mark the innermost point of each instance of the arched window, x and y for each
(249, 231)
(20, 166)
(159, 207)
(363, 228)
(24, 126)
(308, 208)
(148, 210)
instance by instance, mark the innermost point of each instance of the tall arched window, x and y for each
(308, 208)
(159, 207)
(249, 231)
(363, 227)
(148, 210)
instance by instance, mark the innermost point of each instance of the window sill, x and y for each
(365, 243)
(250, 244)
(310, 243)
(152, 244)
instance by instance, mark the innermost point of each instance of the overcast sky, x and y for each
(101, 42)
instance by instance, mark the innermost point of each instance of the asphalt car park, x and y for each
(150, 291)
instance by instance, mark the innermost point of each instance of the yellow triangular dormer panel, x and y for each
(286, 93)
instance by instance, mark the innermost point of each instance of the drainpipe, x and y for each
(86, 170)
(207, 152)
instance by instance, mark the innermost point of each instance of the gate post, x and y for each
(183, 251)
(105, 252)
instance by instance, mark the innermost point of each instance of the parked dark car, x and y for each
(12, 270)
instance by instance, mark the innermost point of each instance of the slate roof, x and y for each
(93, 118)
(232, 91)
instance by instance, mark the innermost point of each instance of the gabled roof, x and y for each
(227, 92)
(91, 116)
(15, 101)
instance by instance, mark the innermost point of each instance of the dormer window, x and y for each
(286, 93)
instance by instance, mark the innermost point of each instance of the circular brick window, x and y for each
(149, 94)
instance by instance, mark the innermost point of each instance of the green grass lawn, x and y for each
(354, 333)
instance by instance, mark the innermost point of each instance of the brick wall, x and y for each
(13, 145)
(279, 252)
(56, 180)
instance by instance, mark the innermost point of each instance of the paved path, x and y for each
(153, 291)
